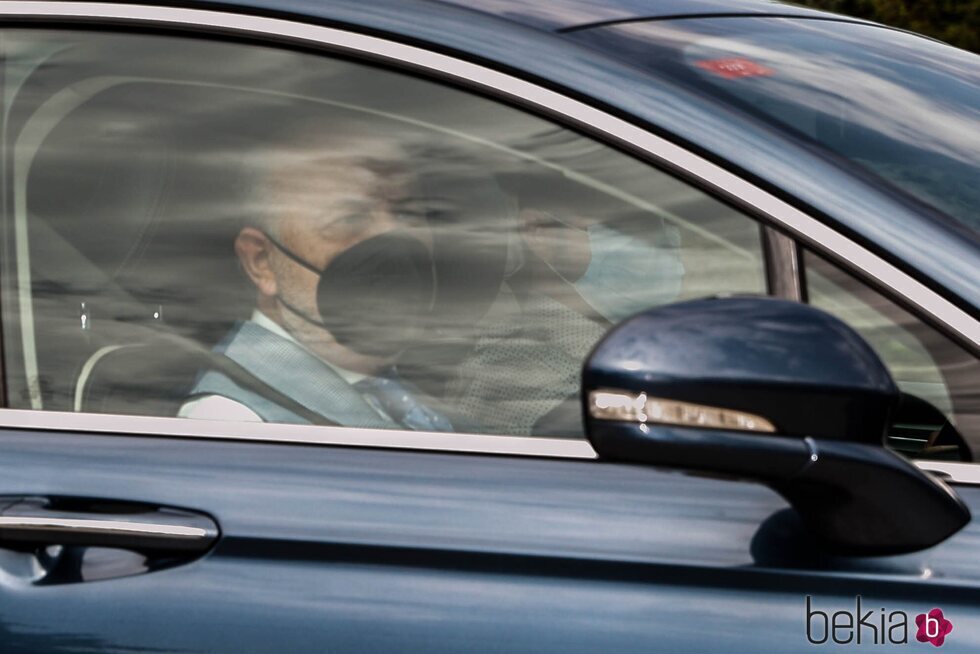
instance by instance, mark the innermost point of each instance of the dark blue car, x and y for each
(444, 326)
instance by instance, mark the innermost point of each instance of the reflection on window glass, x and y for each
(219, 231)
(940, 380)
(905, 108)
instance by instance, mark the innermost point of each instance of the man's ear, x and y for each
(254, 249)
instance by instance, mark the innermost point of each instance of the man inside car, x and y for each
(339, 283)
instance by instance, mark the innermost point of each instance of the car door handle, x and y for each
(96, 523)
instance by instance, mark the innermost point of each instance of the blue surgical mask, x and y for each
(627, 275)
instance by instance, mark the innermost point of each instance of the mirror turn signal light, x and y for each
(624, 406)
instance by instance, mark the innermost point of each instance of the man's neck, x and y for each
(348, 373)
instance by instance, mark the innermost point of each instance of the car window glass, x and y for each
(926, 365)
(224, 231)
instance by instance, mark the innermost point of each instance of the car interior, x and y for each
(156, 284)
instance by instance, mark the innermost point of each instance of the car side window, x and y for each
(940, 381)
(224, 231)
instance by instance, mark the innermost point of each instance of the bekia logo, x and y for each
(933, 627)
(873, 627)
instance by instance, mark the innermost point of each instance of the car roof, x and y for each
(566, 14)
(548, 15)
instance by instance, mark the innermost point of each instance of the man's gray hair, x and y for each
(271, 169)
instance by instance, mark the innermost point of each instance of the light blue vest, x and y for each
(293, 371)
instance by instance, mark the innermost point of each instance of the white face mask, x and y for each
(626, 275)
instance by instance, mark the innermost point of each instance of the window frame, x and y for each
(781, 224)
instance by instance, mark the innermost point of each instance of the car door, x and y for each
(134, 161)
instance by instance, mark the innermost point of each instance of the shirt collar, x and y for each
(267, 323)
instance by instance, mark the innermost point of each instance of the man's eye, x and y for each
(347, 227)
(331, 223)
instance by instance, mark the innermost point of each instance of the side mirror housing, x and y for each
(774, 391)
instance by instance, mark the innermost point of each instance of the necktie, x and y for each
(393, 397)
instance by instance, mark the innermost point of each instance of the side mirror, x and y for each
(773, 391)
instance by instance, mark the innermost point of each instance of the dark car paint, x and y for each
(575, 14)
(804, 370)
(595, 68)
(359, 550)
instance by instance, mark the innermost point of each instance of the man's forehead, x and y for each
(323, 163)
(321, 209)
(326, 178)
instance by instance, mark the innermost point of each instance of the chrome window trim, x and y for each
(711, 175)
(121, 425)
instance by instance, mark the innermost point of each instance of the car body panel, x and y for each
(368, 549)
(570, 14)
(360, 549)
(553, 15)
